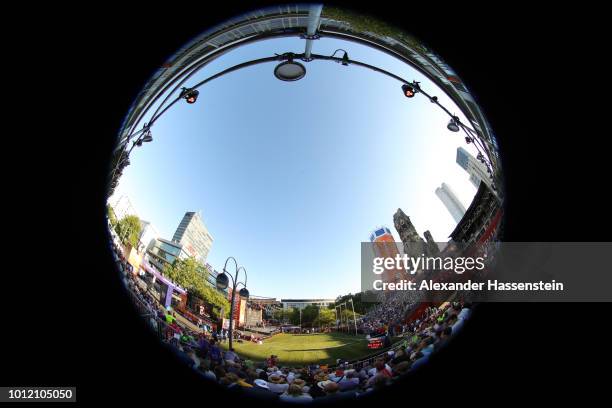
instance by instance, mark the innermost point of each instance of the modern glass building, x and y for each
(451, 202)
(194, 236)
(474, 167)
(164, 252)
(302, 303)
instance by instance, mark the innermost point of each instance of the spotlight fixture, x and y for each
(468, 140)
(290, 70)
(453, 125)
(408, 90)
(190, 95)
(148, 137)
(345, 59)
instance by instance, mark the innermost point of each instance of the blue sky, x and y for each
(291, 176)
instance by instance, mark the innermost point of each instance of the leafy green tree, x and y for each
(309, 314)
(294, 317)
(365, 23)
(312, 316)
(112, 218)
(326, 317)
(129, 229)
(361, 307)
(192, 275)
(283, 315)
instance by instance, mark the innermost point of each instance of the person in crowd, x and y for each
(277, 384)
(272, 361)
(215, 353)
(205, 370)
(378, 382)
(230, 356)
(203, 346)
(331, 388)
(295, 393)
(169, 317)
(192, 355)
(349, 381)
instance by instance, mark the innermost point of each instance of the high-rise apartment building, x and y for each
(474, 167)
(194, 236)
(451, 202)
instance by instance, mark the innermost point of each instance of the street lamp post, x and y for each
(222, 282)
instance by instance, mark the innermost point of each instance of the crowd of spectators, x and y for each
(345, 380)
(390, 315)
(274, 380)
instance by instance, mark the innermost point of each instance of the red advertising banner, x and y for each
(376, 343)
(236, 310)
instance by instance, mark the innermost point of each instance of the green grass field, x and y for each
(301, 349)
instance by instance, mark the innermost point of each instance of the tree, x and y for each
(129, 229)
(192, 275)
(294, 317)
(309, 314)
(326, 317)
(184, 272)
(361, 307)
(282, 315)
(112, 218)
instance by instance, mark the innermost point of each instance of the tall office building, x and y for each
(148, 234)
(475, 180)
(450, 200)
(122, 207)
(194, 236)
(474, 167)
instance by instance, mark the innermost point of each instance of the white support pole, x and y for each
(314, 17)
(354, 319)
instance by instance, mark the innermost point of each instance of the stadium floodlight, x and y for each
(222, 281)
(409, 90)
(190, 95)
(290, 70)
(453, 125)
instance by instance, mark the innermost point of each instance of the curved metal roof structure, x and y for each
(294, 20)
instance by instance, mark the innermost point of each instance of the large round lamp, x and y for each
(222, 281)
(290, 71)
(244, 293)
